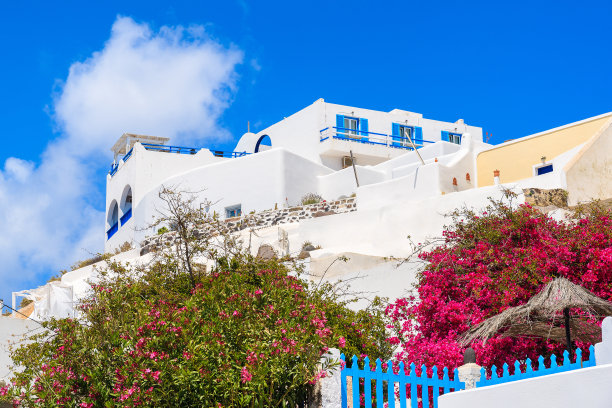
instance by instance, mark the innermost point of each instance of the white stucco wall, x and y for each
(589, 174)
(13, 333)
(257, 182)
(587, 387)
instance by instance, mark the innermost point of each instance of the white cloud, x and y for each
(175, 82)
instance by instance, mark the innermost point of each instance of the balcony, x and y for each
(370, 138)
(176, 150)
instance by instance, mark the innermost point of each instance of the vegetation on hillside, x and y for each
(245, 332)
(488, 262)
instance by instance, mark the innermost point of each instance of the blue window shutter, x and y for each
(339, 123)
(363, 127)
(445, 136)
(395, 134)
(418, 135)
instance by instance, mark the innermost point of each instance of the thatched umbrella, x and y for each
(540, 316)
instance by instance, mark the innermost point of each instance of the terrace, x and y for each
(176, 150)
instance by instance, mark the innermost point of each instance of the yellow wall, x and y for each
(516, 159)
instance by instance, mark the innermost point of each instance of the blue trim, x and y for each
(261, 140)
(125, 217)
(176, 149)
(112, 230)
(544, 169)
(395, 141)
(418, 136)
(363, 128)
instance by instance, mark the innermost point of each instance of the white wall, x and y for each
(589, 174)
(257, 182)
(342, 182)
(382, 230)
(12, 334)
(586, 387)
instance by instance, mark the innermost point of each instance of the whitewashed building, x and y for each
(311, 151)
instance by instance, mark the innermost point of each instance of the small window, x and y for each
(454, 138)
(544, 169)
(406, 134)
(351, 126)
(233, 211)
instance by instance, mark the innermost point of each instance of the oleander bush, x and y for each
(246, 333)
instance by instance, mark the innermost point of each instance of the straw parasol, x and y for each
(541, 316)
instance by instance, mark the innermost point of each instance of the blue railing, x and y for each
(113, 169)
(227, 154)
(178, 150)
(372, 138)
(112, 230)
(171, 149)
(128, 155)
(526, 370)
(415, 385)
(125, 217)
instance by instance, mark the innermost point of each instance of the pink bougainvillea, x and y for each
(490, 262)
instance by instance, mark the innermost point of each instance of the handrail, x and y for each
(176, 149)
(171, 149)
(367, 137)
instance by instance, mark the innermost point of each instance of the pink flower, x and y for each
(342, 342)
(258, 292)
(245, 376)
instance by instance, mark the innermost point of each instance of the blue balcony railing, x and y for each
(177, 150)
(371, 138)
(112, 230)
(227, 154)
(113, 169)
(125, 217)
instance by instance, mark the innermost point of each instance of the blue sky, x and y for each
(513, 68)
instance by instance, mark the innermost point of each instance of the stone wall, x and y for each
(538, 197)
(264, 219)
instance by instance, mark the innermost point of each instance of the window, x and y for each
(233, 211)
(406, 135)
(402, 134)
(548, 168)
(351, 125)
(454, 138)
(451, 137)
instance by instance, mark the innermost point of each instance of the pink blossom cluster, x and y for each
(487, 264)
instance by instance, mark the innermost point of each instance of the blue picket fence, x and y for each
(420, 387)
(416, 384)
(522, 371)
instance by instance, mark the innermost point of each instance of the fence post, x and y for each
(603, 350)
(469, 372)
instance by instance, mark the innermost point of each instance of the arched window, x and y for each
(264, 143)
(126, 205)
(112, 219)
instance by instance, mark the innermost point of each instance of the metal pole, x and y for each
(354, 170)
(415, 149)
(568, 337)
